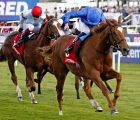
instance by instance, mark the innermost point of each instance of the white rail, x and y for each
(131, 44)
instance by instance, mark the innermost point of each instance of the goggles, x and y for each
(35, 16)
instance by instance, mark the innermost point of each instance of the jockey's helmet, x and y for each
(37, 11)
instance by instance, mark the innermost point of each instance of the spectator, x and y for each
(65, 11)
(124, 11)
(46, 11)
(55, 10)
(60, 10)
(5, 30)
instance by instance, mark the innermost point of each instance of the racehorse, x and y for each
(32, 60)
(95, 61)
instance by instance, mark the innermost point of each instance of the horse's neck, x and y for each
(103, 40)
(42, 40)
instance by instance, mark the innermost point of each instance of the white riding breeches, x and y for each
(31, 27)
(83, 27)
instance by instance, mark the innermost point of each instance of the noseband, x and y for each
(49, 26)
(115, 44)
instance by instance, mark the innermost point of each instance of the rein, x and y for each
(101, 52)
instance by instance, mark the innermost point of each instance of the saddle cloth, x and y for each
(71, 57)
(18, 50)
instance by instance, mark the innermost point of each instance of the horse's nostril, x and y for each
(126, 49)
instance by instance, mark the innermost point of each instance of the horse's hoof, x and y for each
(20, 98)
(111, 91)
(34, 102)
(60, 113)
(78, 97)
(114, 112)
(99, 109)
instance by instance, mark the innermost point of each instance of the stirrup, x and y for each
(17, 45)
(67, 50)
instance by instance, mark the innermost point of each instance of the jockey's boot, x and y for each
(71, 46)
(23, 38)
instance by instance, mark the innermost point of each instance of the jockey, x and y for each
(73, 27)
(88, 18)
(30, 21)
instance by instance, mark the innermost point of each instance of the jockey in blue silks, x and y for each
(30, 21)
(88, 18)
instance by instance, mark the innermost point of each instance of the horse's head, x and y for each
(117, 36)
(51, 28)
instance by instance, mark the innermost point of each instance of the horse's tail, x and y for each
(44, 51)
(2, 56)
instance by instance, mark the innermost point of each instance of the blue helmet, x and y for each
(95, 16)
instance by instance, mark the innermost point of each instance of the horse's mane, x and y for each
(101, 26)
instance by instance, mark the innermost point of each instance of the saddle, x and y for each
(19, 50)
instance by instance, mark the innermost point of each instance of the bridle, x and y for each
(49, 27)
(111, 33)
(116, 43)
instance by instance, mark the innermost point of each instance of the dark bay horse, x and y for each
(95, 61)
(32, 60)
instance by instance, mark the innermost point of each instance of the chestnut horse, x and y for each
(95, 60)
(31, 59)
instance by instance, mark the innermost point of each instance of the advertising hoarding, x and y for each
(11, 9)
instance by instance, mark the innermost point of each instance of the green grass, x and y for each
(73, 109)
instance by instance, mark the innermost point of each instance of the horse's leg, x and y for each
(110, 75)
(30, 84)
(81, 81)
(108, 87)
(87, 89)
(77, 86)
(40, 76)
(98, 81)
(11, 61)
(59, 89)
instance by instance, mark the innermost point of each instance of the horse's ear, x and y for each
(48, 17)
(108, 21)
(119, 19)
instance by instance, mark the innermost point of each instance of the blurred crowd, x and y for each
(7, 27)
(125, 10)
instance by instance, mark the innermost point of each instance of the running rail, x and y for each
(131, 44)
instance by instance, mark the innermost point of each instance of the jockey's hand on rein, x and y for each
(20, 30)
(66, 26)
